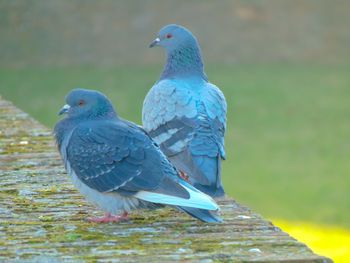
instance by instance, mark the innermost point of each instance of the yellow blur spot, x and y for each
(329, 241)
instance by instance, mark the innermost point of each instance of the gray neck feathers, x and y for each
(183, 61)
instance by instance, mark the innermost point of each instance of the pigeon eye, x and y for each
(168, 35)
(81, 103)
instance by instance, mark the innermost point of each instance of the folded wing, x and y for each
(118, 156)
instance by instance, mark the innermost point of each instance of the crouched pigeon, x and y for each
(117, 166)
(185, 114)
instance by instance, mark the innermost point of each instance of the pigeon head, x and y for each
(183, 52)
(86, 104)
(172, 37)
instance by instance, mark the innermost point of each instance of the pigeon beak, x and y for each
(64, 109)
(154, 42)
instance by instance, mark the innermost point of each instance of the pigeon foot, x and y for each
(109, 218)
(184, 176)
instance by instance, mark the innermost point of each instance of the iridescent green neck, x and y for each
(184, 61)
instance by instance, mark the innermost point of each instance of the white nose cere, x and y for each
(155, 42)
(66, 107)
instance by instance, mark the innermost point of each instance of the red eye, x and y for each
(81, 102)
(169, 36)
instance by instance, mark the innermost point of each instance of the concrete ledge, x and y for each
(42, 216)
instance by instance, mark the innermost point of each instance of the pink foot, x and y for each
(184, 176)
(108, 218)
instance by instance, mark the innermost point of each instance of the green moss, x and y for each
(9, 192)
(46, 218)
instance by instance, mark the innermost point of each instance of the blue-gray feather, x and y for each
(110, 155)
(201, 214)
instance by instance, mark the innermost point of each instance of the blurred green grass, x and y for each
(288, 137)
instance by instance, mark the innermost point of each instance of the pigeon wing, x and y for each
(108, 156)
(174, 115)
(119, 156)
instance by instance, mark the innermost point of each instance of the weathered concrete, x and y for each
(42, 216)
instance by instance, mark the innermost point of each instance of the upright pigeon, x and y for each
(186, 114)
(117, 166)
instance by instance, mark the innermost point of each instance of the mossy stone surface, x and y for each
(42, 217)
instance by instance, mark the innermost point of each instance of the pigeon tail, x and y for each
(196, 198)
(211, 190)
(206, 175)
(201, 214)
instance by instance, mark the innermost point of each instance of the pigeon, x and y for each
(185, 114)
(116, 165)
